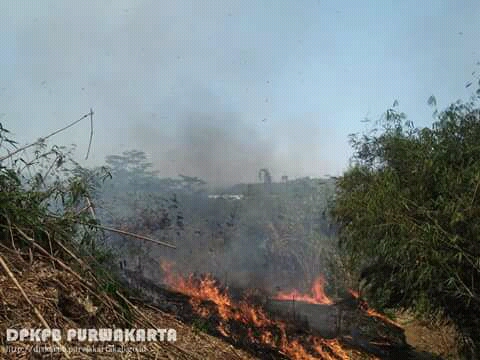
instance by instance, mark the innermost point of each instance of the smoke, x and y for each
(182, 81)
(200, 138)
(193, 84)
(194, 133)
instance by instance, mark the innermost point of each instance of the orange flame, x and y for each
(317, 295)
(377, 315)
(206, 289)
(333, 347)
(370, 311)
(354, 293)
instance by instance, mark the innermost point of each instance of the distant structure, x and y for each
(284, 178)
(226, 196)
(267, 178)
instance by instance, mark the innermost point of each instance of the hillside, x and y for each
(67, 293)
(41, 291)
(57, 277)
(46, 291)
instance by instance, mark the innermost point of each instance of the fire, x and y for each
(258, 327)
(377, 315)
(317, 295)
(354, 293)
(370, 311)
(332, 345)
(207, 289)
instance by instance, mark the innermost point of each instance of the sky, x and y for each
(221, 89)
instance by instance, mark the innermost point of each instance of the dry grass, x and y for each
(43, 295)
(436, 337)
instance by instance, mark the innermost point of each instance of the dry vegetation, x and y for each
(56, 273)
(43, 291)
(52, 263)
(436, 337)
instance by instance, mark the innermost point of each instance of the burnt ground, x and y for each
(63, 299)
(361, 335)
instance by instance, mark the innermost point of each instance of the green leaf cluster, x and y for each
(44, 200)
(408, 211)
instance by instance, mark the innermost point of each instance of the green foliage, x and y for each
(46, 206)
(201, 325)
(45, 202)
(408, 211)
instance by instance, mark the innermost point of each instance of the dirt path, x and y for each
(431, 341)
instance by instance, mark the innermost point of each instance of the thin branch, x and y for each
(142, 237)
(86, 284)
(46, 253)
(39, 315)
(91, 133)
(40, 140)
(474, 193)
(150, 323)
(90, 207)
(92, 212)
(133, 235)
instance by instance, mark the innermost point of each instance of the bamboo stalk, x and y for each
(134, 235)
(40, 140)
(91, 133)
(39, 315)
(150, 323)
(92, 212)
(83, 282)
(123, 232)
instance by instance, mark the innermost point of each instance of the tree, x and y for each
(408, 213)
(137, 199)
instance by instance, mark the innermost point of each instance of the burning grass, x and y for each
(371, 312)
(46, 290)
(45, 283)
(317, 295)
(247, 324)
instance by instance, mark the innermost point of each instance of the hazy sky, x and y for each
(220, 89)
